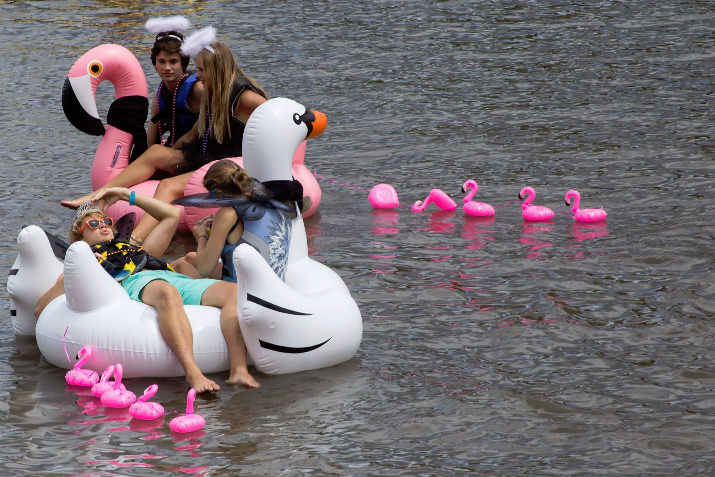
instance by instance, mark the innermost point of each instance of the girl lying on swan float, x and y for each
(308, 321)
(125, 120)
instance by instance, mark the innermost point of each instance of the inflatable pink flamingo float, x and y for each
(188, 422)
(145, 410)
(118, 397)
(82, 377)
(437, 197)
(104, 385)
(533, 212)
(477, 209)
(125, 123)
(583, 215)
(383, 196)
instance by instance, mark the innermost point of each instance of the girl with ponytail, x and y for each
(249, 215)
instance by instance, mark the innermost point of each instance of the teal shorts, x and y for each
(190, 289)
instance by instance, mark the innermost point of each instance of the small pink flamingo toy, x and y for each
(437, 197)
(477, 209)
(383, 196)
(148, 411)
(583, 215)
(118, 397)
(104, 383)
(188, 422)
(533, 212)
(82, 377)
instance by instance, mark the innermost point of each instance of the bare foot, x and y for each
(242, 377)
(74, 204)
(202, 384)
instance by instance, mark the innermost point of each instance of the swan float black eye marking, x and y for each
(307, 118)
(271, 306)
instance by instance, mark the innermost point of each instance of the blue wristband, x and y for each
(132, 196)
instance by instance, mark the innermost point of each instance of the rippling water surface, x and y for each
(495, 346)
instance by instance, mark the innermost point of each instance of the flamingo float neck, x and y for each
(470, 187)
(576, 196)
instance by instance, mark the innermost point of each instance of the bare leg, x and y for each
(223, 295)
(155, 158)
(176, 331)
(167, 190)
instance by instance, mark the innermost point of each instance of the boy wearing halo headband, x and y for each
(175, 108)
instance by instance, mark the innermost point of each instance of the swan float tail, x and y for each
(34, 271)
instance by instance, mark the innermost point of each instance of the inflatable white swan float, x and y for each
(309, 321)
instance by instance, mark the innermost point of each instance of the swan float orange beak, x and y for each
(314, 120)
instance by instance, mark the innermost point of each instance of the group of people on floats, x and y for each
(204, 115)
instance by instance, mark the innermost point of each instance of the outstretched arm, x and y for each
(168, 216)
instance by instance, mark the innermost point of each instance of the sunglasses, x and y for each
(95, 223)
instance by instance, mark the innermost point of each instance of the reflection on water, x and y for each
(490, 345)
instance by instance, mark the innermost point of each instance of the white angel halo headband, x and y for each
(199, 40)
(176, 23)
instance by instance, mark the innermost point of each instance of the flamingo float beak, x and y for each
(79, 105)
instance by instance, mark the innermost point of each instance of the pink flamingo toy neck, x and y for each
(419, 206)
(149, 392)
(576, 196)
(190, 401)
(531, 195)
(84, 354)
(118, 370)
(470, 184)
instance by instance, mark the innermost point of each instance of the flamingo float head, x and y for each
(104, 62)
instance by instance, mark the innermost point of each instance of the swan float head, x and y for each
(272, 134)
(105, 62)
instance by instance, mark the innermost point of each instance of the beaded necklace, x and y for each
(173, 108)
(209, 118)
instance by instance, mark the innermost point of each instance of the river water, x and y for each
(492, 347)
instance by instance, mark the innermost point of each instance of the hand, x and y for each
(106, 197)
(202, 227)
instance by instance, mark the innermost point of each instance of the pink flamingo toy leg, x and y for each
(583, 215)
(533, 212)
(188, 422)
(470, 207)
(118, 397)
(82, 377)
(148, 411)
(439, 198)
